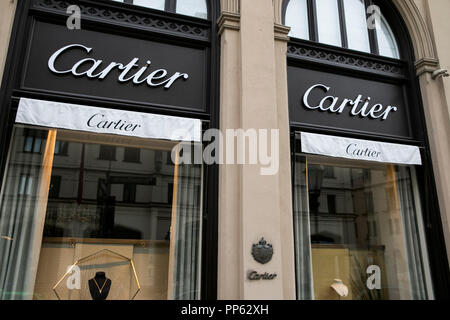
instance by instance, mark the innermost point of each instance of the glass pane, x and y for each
(360, 228)
(328, 22)
(386, 40)
(100, 214)
(297, 18)
(305, 290)
(154, 4)
(356, 25)
(194, 8)
(28, 145)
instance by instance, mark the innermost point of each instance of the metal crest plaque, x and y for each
(262, 251)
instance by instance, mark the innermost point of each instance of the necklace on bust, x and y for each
(98, 287)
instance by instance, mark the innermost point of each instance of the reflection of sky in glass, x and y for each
(356, 25)
(328, 22)
(297, 19)
(194, 8)
(386, 40)
(155, 4)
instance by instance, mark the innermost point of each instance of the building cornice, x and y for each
(281, 32)
(426, 65)
(229, 20)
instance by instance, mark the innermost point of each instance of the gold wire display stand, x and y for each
(94, 254)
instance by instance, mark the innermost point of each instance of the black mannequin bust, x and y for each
(99, 286)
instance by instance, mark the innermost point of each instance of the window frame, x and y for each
(314, 32)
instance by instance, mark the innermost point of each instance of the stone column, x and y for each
(230, 273)
(251, 205)
(436, 99)
(7, 9)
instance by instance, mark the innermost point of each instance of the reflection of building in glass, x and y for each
(88, 192)
(358, 219)
(113, 192)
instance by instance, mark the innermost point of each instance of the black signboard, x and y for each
(347, 103)
(101, 65)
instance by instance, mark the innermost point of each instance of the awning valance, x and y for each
(357, 149)
(111, 121)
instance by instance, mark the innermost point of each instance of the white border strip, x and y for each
(111, 121)
(357, 149)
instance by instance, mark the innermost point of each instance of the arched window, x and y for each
(353, 24)
(297, 18)
(193, 8)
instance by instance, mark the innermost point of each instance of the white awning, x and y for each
(102, 120)
(357, 149)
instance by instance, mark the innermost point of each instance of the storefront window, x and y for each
(358, 230)
(105, 210)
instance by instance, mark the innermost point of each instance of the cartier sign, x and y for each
(330, 100)
(357, 106)
(131, 71)
(94, 64)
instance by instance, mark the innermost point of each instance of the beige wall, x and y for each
(251, 206)
(7, 10)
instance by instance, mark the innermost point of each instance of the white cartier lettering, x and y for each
(128, 72)
(98, 121)
(358, 105)
(354, 150)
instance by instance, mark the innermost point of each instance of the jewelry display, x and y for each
(99, 286)
(99, 292)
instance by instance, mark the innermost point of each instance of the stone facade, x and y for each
(253, 81)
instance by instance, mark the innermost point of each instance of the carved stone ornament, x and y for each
(262, 251)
